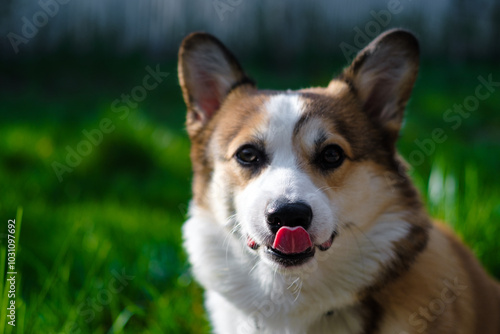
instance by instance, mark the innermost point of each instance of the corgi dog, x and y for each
(294, 225)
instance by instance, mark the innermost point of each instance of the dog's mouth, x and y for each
(289, 260)
(292, 246)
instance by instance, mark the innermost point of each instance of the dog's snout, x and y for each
(282, 213)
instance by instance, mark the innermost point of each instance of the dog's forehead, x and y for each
(301, 115)
(274, 119)
(283, 113)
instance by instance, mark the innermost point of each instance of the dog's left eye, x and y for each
(332, 156)
(249, 155)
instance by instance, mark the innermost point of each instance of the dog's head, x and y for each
(288, 171)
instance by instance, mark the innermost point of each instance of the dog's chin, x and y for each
(274, 256)
(289, 260)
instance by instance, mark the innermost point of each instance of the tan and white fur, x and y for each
(378, 264)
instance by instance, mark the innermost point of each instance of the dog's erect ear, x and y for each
(383, 74)
(207, 73)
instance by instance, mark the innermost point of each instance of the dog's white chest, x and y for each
(267, 318)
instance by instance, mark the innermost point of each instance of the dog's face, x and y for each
(288, 172)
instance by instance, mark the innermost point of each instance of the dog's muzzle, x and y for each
(288, 222)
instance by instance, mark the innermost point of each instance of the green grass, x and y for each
(122, 208)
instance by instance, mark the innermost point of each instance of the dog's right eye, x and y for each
(331, 157)
(249, 155)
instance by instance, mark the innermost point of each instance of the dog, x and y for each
(294, 227)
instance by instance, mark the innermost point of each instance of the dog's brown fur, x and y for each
(430, 259)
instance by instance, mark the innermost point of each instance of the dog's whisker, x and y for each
(326, 188)
(352, 224)
(291, 284)
(297, 288)
(225, 243)
(348, 226)
(253, 267)
(231, 220)
(298, 293)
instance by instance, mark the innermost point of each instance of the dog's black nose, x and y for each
(284, 213)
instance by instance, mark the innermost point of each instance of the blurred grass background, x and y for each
(121, 209)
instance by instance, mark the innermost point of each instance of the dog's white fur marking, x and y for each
(283, 178)
(284, 111)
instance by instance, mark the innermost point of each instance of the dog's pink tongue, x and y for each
(292, 240)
